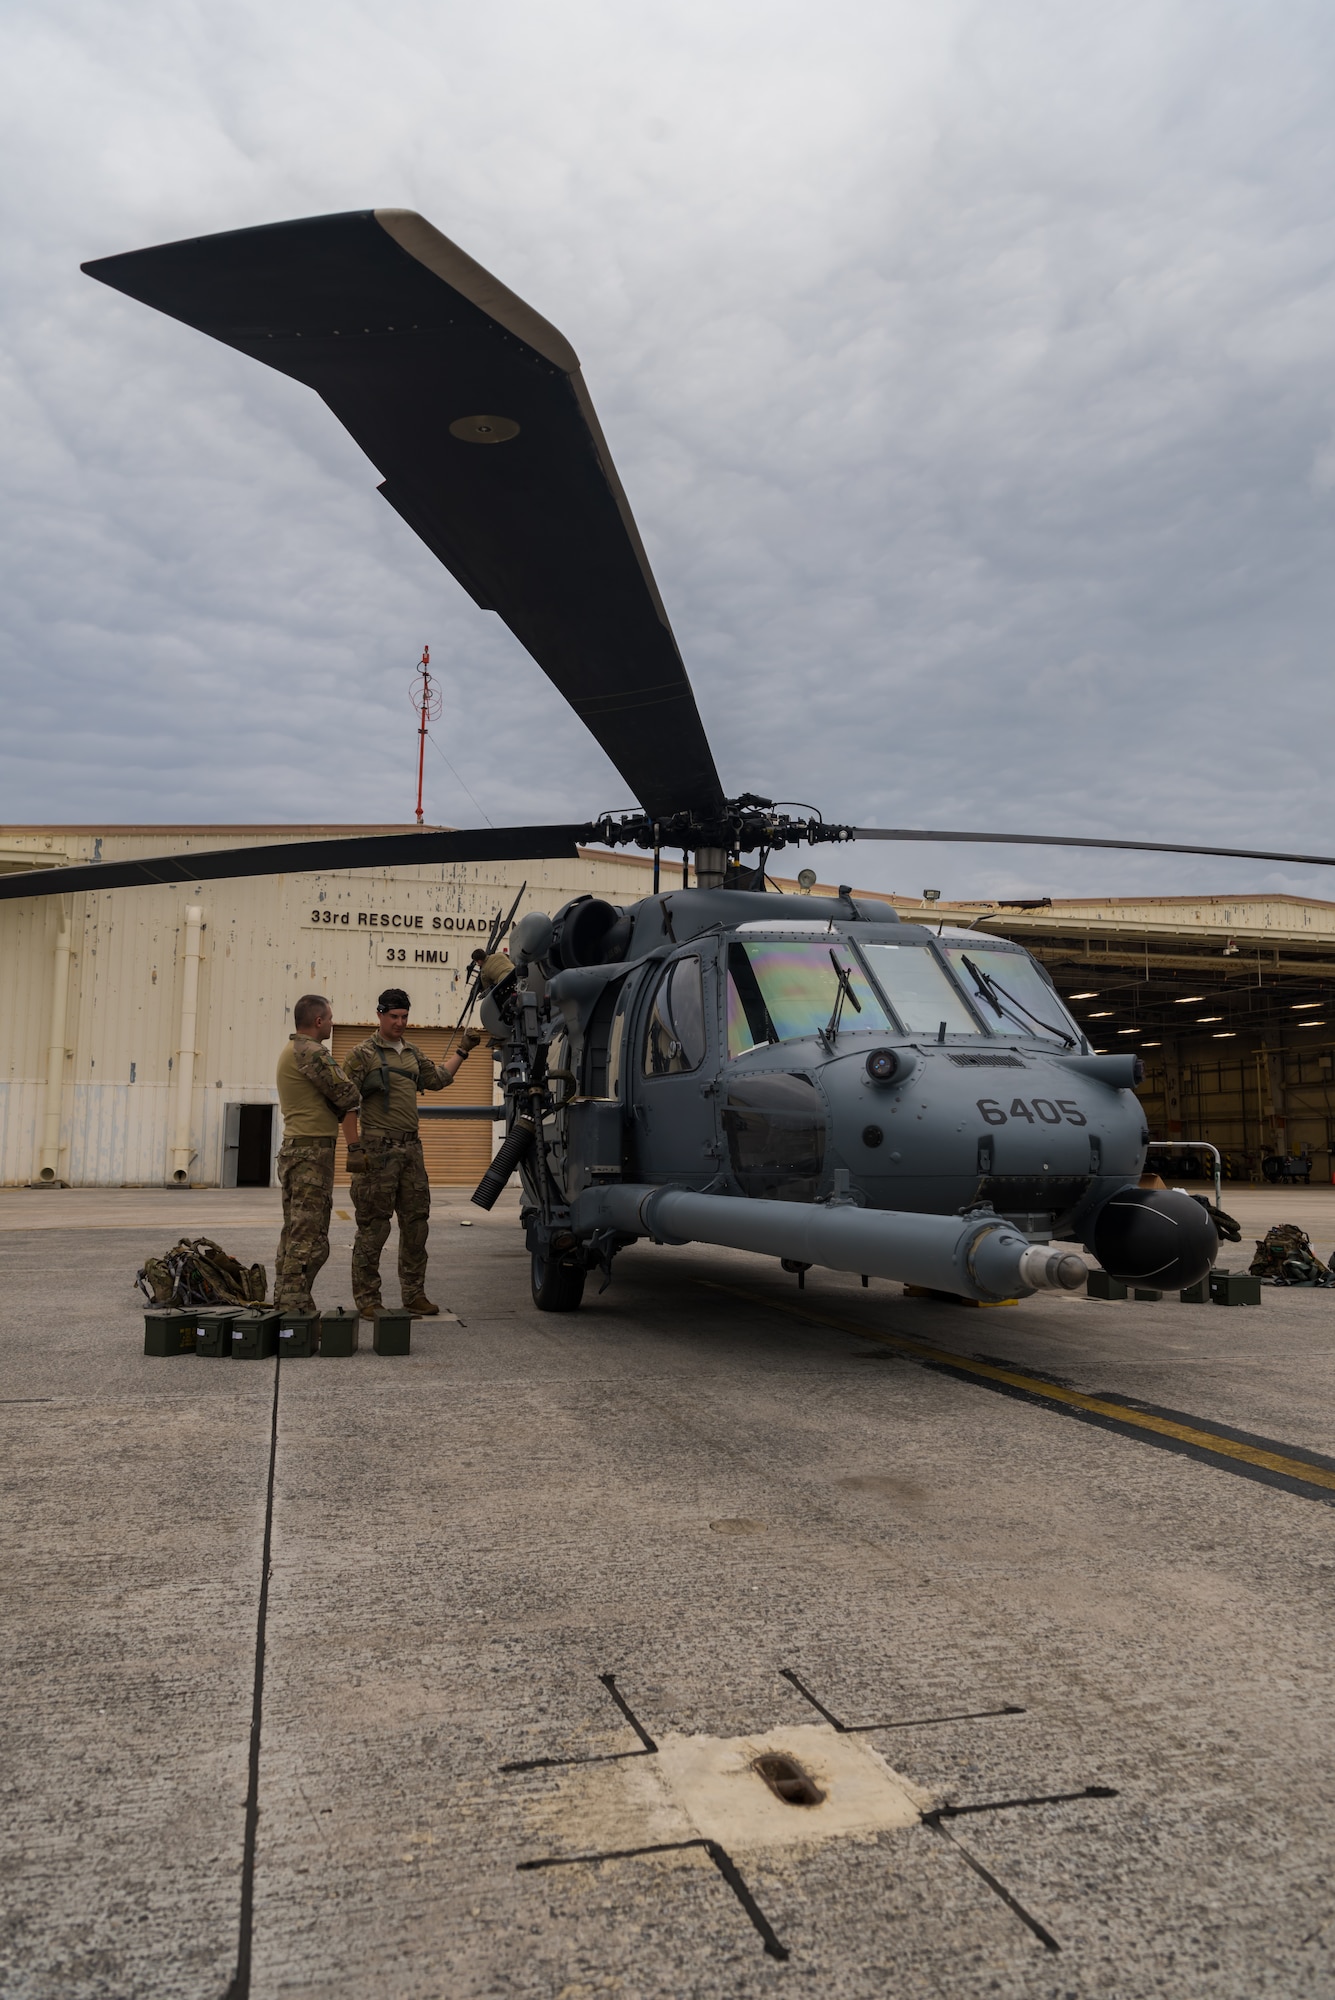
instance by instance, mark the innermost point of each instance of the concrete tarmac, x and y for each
(707, 1516)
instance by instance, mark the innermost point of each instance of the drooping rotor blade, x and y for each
(306, 857)
(474, 411)
(498, 930)
(1084, 840)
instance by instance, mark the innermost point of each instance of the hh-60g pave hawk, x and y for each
(808, 1078)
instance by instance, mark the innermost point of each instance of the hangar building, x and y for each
(139, 1027)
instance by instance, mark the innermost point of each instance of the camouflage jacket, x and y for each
(313, 1092)
(389, 1080)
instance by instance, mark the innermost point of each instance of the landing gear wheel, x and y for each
(557, 1287)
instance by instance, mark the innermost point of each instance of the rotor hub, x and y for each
(747, 825)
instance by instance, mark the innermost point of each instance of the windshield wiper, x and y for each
(831, 1029)
(989, 987)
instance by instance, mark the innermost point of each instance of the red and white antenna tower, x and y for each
(426, 703)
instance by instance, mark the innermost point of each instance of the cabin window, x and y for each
(1011, 994)
(776, 1135)
(675, 1042)
(919, 990)
(782, 991)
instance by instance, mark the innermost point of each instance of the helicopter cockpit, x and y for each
(837, 1057)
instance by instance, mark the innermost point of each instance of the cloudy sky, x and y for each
(970, 365)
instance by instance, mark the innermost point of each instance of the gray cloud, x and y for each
(968, 369)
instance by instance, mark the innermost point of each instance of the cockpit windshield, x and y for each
(919, 989)
(780, 991)
(1011, 993)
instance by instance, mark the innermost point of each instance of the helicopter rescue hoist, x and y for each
(804, 1077)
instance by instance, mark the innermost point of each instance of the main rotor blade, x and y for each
(473, 408)
(1084, 840)
(306, 857)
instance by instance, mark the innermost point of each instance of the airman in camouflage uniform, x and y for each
(312, 1091)
(385, 1157)
(491, 969)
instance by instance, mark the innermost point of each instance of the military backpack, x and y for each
(201, 1273)
(1284, 1256)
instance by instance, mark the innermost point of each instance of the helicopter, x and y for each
(807, 1077)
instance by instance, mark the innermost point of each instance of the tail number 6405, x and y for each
(1039, 1110)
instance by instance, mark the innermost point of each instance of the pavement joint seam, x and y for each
(721, 1859)
(240, 1986)
(908, 1722)
(648, 1747)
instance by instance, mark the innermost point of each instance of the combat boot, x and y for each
(420, 1308)
(368, 1308)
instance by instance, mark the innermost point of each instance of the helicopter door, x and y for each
(676, 1120)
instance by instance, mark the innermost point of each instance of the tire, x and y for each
(557, 1287)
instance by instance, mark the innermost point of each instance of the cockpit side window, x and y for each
(674, 1043)
(749, 1022)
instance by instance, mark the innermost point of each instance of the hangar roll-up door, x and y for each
(456, 1151)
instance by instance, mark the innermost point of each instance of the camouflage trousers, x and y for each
(393, 1182)
(306, 1176)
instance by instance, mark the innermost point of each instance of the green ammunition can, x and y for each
(338, 1332)
(393, 1333)
(255, 1334)
(169, 1330)
(213, 1330)
(1196, 1295)
(1234, 1288)
(1144, 1292)
(1100, 1286)
(298, 1335)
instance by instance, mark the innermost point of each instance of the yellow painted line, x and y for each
(1032, 1385)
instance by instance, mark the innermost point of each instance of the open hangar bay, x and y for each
(420, 1677)
(139, 1039)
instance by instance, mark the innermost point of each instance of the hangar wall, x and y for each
(116, 1051)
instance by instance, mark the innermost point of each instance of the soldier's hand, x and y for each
(469, 1039)
(356, 1157)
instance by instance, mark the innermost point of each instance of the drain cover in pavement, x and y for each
(716, 1782)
